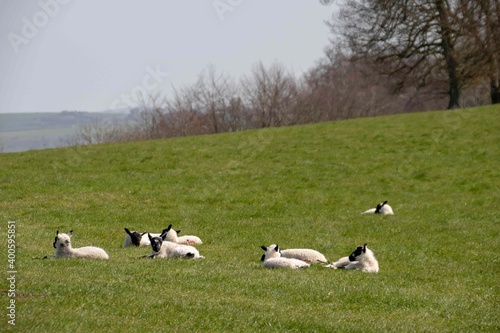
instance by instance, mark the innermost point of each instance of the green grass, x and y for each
(302, 186)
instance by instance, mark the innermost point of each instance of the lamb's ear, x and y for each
(163, 236)
(364, 247)
(277, 248)
(149, 236)
(263, 248)
(57, 232)
(143, 234)
(70, 233)
(178, 231)
(263, 257)
(169, 227)
(127, 231)
(384, 203)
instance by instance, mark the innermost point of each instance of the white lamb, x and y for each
(163, 249)
(362, 259)
(137, 239)
(307, 255)
(172, 236)
(273, 259)
(62, 244)
(382, 208)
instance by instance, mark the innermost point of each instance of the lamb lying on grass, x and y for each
(273, 259)
(163, 249)
(137, 239)
(172, 236)
(382, 208)
(307, 255)
(62, 244)
(362, 258)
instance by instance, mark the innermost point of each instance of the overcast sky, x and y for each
(94, 55)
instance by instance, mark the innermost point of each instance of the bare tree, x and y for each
(339, 88)
(480, 20)
(183, 116)
(98, 132)
(271, 93)
(415, 40)
(214, 95)
(151, 122)
(491, 10)
(237, 114)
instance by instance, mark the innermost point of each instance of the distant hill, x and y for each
(29, 131)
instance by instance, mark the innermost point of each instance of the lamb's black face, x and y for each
(156, 243)
(379, 207)
(359, 250)
(135, 237)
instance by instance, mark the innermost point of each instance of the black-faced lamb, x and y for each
(172, 236)
(137, 239)
(164, 249)
(273, 259)
(62, 244)
(382, 208)
(362, 258)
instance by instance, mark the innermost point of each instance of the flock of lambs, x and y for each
(168, 244)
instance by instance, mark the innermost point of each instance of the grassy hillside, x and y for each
(303, 186)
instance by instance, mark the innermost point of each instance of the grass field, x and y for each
(302, 186)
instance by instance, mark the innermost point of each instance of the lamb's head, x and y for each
(135, 237)
(272, 251)
(379, 207)
(156, 242)
(62, 240)
(170, 234)
(359, 253)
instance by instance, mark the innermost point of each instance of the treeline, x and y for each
(336, 88)
(385, 57)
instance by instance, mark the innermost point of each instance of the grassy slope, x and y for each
(301, 186)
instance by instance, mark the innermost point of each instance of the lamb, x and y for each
(62, 244)
(382, 208)
(307, 255)
(273, 259)
(188, 239)
(164, 249)
(362, 258)
(137, 239)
